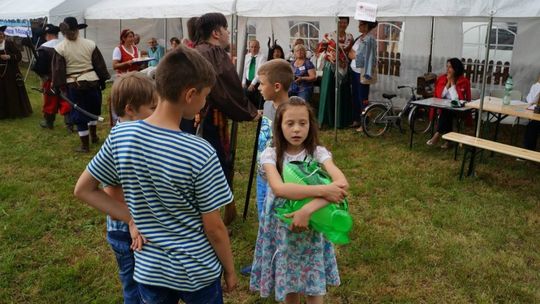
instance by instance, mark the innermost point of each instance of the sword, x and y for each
(74, 105)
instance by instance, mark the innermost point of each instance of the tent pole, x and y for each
(430, 68)
(483, 91)
(336, 78)
(165, 33)
(32, 58)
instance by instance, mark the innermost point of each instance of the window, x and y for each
(251, 32)
(308, 31)
(389, 46)
(502, 37)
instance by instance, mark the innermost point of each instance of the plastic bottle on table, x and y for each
(508, 86)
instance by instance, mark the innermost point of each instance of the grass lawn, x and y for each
(420, 234)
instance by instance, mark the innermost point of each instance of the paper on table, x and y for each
(531, 107)
(140, 59)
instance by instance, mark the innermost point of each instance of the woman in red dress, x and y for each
(125, 53)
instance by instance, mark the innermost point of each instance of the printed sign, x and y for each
(366, 11)
(17, 27)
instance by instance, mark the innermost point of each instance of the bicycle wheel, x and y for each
(419, 120)
(374, 123)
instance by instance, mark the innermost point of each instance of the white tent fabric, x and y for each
(134, 9)
(54, 10)
(390, 8)
(273, 18)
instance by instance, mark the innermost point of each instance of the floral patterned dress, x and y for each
(286, 262)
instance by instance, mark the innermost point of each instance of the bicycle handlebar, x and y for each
(413, 95)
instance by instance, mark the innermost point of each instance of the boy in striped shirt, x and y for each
(173, 185)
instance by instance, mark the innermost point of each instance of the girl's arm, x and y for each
(338, 178)
(331, 192)
(301, 217)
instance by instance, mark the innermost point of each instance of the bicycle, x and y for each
(379, 116)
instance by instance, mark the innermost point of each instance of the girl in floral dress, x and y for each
(292, 260)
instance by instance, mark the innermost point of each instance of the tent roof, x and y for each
(390, 8)
(135, 9)
(54, 10)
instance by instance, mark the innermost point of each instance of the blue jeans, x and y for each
(360, 93)
(120, 242)
(210, 294)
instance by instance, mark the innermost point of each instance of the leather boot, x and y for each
(93, 134)
(85, 144)
(48, 121)
(68, 123)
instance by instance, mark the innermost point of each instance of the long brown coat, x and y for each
(13, 97)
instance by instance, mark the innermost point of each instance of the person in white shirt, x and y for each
(250, 81)
(533, 128)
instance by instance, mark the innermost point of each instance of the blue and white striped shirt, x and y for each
(169, 179)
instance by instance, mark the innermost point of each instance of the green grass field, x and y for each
(420, 234)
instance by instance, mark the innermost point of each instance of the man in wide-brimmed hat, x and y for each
(51, 103)
(79, 67)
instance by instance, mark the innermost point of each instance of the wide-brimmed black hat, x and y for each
(51, 29)
(3, 28)
(74, 24)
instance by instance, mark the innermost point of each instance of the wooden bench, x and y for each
(472, 143)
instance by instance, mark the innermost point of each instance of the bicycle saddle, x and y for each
(388, 96)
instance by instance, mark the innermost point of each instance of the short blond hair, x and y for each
(132, 88)
(299, 47)
(278, 71)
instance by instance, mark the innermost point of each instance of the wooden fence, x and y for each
(497, 72)
(389, 63)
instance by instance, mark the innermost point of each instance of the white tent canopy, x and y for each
(135, 9)
(54, 10)
(390, 8)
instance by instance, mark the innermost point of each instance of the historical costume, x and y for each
(327, 59)
(52, 103)
(225, 101)
(79, 67)
(14, 100)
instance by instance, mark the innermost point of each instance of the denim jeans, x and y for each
(120, 242)
(210, 294)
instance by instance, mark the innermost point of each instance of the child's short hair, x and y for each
(133, 88)
(278, 70)
(180, 69)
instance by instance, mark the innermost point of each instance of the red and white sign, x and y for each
(366, 11)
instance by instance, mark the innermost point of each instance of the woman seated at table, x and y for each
(125, 53)
(454, 86)
(304, 74)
